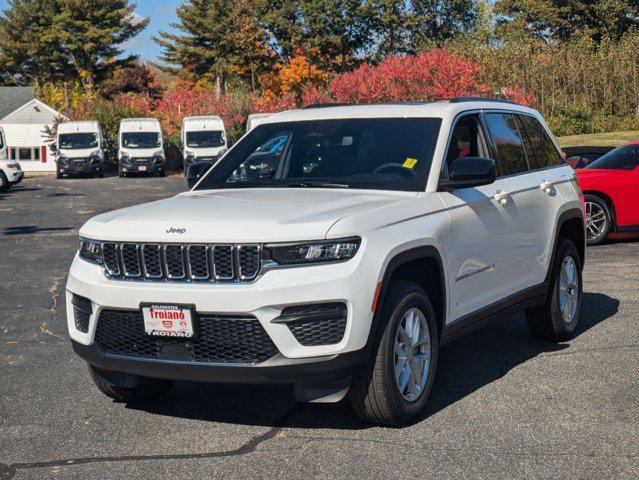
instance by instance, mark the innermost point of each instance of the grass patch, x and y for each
(613, 139)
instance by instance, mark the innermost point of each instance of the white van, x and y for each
(203, 139)
(10, 171)
(254, 119)
(140, 147)
(80, 148)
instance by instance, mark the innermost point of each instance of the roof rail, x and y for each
(326, 105)
(481, 99)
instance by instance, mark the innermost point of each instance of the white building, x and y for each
(24, 119)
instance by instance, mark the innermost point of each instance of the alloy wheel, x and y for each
(412, 354)
(596, 219)
(568, 290)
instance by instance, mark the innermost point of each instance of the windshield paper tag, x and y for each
(409, 163)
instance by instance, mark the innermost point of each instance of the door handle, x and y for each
(501, 196)
(546, 186)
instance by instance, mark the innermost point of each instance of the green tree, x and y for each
(559, 20)
(338, 30)
(91, 32)
(393, 22)
(282, 20)
(29, 51)
(440, 20)
(217, 39)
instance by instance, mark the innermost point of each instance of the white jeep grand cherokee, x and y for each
(335, 249)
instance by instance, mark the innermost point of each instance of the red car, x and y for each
(611, 190)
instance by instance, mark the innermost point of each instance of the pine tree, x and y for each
(91, 33)
(282, 19)
(29, 53)
(219, 39)
(440, 20)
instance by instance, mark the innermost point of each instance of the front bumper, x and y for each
(80, 168)
(15, 176)
(278, 370)
(148, 167)
(352, 283)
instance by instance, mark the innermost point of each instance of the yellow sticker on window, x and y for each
(409, 162)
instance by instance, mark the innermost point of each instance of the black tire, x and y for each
(374, 395)
(597, 233)
(4, 182)
(100, 173)
(148, 389)
(161, 173)
(547, 321)
(121, 173)
(58, 173)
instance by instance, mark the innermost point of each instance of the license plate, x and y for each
(142, 168)
(168, 321)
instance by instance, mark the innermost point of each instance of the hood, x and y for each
(140, 152)
(78, 153)
(205, 152)
(239, 216)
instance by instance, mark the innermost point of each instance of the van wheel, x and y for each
(121, 174)
(4, 182)
(146, 389)
(161, 173)
(393, 388)
(557, 319)
(58, 173)
(599, 219)
(100, 173)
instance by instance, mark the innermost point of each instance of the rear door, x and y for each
(535, 195)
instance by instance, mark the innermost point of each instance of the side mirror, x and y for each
(180, 144)
(468, 172)
(53, 147)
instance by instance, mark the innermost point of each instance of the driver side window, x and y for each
(466, 140)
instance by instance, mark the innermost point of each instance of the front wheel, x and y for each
(145, 389)
(598, 219)
(58, 173)
(394, 387)
(557, 318)
(4, 182)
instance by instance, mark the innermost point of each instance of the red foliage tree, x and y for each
(433, 75)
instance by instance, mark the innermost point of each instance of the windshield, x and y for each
(141, 140)
(387, 154)
(204, 139)
(622, 158)
(76, 141)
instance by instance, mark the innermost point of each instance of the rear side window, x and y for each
(510, 149)
(544, 152)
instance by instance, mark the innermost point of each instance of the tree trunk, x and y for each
(218, 88)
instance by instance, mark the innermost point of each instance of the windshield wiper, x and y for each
(316, 185)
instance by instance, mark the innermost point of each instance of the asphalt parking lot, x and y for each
(503, 406)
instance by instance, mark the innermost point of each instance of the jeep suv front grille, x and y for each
(181, 262)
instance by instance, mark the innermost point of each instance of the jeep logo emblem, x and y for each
(176, 230)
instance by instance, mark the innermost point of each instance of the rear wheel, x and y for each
(4, 182)
(394, 387)
(557, 319)
(145, 388)
(598, 218)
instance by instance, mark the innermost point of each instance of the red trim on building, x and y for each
(43, 154)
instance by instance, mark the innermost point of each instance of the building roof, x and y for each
(12, 98)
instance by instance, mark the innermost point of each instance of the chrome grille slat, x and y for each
(174, 262)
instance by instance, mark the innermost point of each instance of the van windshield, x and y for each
(382, 154)
(140, 140)
(204, 139)
(76, 141)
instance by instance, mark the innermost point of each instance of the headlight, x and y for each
(314, 252)
(124, 158)
(91, 250)
(95, 158)
(62, 159)
(158, 157)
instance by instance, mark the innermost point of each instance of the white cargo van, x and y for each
(141, 148)
(10, 171)
(203, 139)
(255, 119)
(80, 148)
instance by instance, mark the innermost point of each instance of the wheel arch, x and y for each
(423, 266)
(571, 225)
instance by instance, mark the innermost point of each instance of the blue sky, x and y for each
(161, 13)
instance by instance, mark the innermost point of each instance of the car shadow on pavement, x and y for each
(465, 366)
